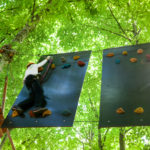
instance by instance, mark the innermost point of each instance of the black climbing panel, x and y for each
(126, 85)
(62, 89)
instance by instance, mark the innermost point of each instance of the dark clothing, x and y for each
(36, 97)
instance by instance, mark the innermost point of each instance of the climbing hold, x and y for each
(31, 114)
(110, 54)
(1, 50)
(124, 53)
(46, 113)
(139, 110)
(81, 63)
(148, 57)
(76, 57)
(63, 59)
(66, 66)
(53, 66)
(117, 61)
(40, 69)
(15, 114)
(66, 113)
(120, 111)
(39, 114)
(133, 60)
(140, 51)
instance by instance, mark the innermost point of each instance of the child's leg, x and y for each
(39, 100)
(28, 103)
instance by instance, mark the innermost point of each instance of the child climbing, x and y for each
(36, 96)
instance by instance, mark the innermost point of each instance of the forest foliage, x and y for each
(39, 27)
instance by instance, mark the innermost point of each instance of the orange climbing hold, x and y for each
(139, 110)
(46, 113)
(81, 63)
(133, 60)
(110, 55)
(140, 51)
(53, 66)
(124, 53)
(120, 111)
(15, 113)
(40, 69)
(31, 114)
(40, 114)
(76, 57)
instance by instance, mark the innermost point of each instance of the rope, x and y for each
(49, 64)
(5, 90)
(3, 106)
(39, 55)
(4, 93)
(10, 139)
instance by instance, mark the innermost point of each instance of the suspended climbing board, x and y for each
(62, 89)
(125, 91)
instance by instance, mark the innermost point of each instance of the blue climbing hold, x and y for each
(66, 66)
(66, 113)
(117, 61)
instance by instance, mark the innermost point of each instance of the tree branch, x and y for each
(10, 9)
(27, 28)
(112, 32)
(116, 33)
(135, 31)
(100, 143)
(119, 25)
(105, 135)
(2, 40)
(33, 11)
(92, 105)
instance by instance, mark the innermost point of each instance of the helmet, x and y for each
(29, 64)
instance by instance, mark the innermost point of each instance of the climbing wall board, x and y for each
(61, 89)
(125, 85)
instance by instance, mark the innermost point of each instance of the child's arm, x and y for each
(42, 63)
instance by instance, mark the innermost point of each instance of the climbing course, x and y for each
(62, 82)
(125, 89)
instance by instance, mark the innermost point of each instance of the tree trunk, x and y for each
(100, 143)
(91, 135)
(122, 139)
(23, 33)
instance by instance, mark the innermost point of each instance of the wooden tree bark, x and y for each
(100, 142)
(34, 20)
(122, 139)
(23, 33)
